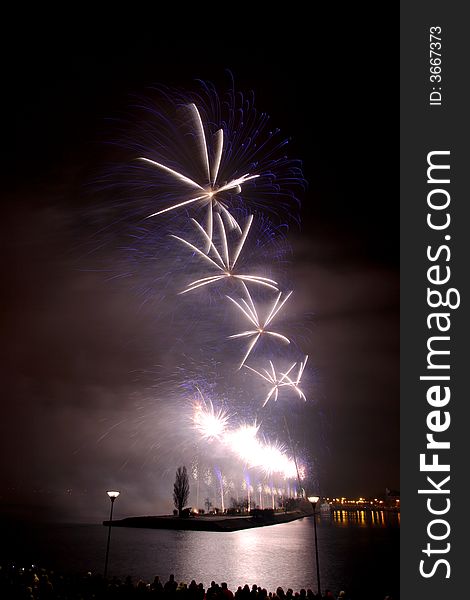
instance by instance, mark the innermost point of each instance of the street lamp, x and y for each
(112, 496)
(314, 500)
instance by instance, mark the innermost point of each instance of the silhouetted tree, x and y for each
(181, 489)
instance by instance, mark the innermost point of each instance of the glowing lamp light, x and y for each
(113, 495)
(313, 498)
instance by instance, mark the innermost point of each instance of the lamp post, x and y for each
(314, 500)
(112, 496)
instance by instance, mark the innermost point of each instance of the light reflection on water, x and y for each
(358, 551)
(364, 518)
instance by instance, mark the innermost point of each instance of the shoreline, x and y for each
(200, 523)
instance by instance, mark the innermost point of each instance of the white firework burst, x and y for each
(248, 309)
(208, 192)
(209, 422)
(279, 380)
(223, 261)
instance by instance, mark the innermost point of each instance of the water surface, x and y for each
(358, 552)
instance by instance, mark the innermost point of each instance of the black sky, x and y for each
(72, 343)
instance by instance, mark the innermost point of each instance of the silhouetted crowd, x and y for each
(38, 584)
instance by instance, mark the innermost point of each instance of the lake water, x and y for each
(358, 552)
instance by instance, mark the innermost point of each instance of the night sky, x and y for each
(79, 353)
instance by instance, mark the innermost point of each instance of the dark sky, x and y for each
(78, 355)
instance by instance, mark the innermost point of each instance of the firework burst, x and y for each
(223, 262)
(278, 381)
(209, 192)
(211, 169)
(243, 442)
(209, 422)
(257, 454)
(202, 152)
(248, 309)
